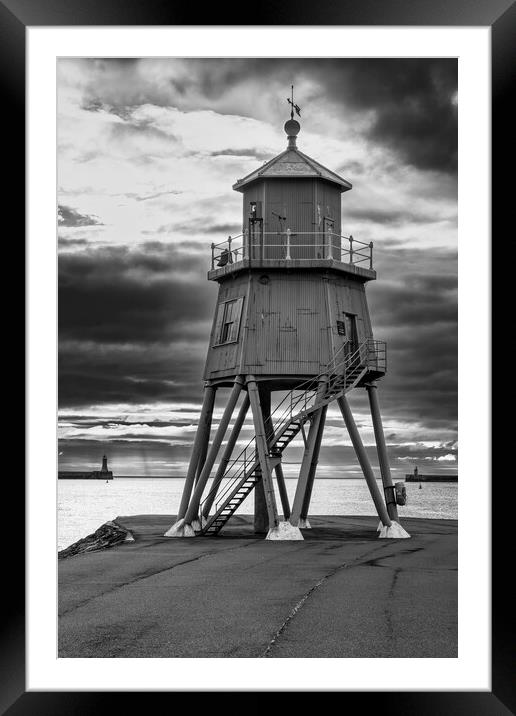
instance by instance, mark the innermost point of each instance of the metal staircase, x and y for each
(343, 373)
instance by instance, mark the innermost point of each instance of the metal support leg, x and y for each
(280, 479)
(226, 456)
(202, 456)
(265, 400)
(313, 468)
(201, 438)
(363, 460)
(262, 449)
(193, 508)
(204, 447)
(308, 456)
(383, 459)
(261, 517)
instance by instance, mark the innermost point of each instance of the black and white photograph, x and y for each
(258, 447)
(258, 318)
(258, 324)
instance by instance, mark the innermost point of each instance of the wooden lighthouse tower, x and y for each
(292, 320)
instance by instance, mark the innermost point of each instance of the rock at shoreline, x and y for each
(108, 535)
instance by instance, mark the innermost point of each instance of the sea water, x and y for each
(83, 505)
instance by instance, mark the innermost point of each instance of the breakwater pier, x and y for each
(416, 476)
(102, 474)
(341, 592)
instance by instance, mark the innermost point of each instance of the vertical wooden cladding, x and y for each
(287, 325)
(327, 206)
(327, 203)
(304, 203)
(348, 296)
(293, 199)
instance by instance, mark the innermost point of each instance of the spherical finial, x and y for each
(292, 128)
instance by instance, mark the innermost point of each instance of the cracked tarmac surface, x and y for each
(340, 593)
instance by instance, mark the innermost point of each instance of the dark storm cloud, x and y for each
(117, 296)
(66, 216)
(413, 100)
(421, 299)
(95, 373)
(68, 243)
(410, 104)
(133, 325)
(414, 105)
(392, 217)
(414, 308)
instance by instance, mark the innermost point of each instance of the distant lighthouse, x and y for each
(104, 472)
(291, 318)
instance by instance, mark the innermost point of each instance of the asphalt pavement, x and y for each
(341, 592)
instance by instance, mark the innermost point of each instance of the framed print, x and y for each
(137, 122)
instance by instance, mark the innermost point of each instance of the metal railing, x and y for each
(377, 355)
(291, 245)
(299, 403)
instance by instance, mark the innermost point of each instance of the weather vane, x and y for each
(293, 106)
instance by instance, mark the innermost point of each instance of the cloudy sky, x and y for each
(148, 150)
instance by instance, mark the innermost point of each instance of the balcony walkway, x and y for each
(292, 250)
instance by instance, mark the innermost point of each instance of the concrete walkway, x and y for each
(340, 593)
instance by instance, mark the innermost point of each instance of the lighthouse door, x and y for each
(350, 333)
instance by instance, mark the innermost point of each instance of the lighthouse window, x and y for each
(228, 321)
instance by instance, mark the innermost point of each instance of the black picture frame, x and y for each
(500, 16)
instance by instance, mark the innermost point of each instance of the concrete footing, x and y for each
(198, 524)
(284, 531)
(180, 529)
(395, 531)
(304, 524)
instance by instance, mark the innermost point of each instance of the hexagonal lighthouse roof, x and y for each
(292, 163)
